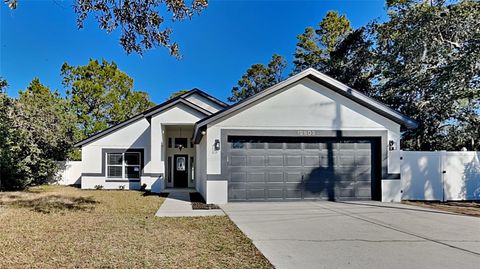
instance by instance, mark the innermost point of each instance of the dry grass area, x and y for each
(465, 208)
(53, 227)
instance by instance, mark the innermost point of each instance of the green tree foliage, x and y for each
(140, 21)
(333, 29)
(429, 55)
(177, 93)
(37, 130)
(353, 61)
(423, 61)
(3, 85)
(315, 45)
(101, 95)
(259, 77)
(338, 51)
(5, 128)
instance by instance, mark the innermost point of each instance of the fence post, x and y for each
(442, 158)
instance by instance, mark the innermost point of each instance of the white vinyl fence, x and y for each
(69, 173)
(440, 175)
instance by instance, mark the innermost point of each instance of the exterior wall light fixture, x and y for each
(391, 145)
(217, 144)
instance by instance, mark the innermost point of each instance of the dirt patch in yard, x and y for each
(470, 208)
(65, 227)
(198, 203)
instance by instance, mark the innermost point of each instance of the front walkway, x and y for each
(177, 204)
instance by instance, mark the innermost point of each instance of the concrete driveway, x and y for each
(358, 235)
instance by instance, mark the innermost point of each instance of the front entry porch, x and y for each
(179, 152)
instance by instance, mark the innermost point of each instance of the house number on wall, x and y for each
(306, 133)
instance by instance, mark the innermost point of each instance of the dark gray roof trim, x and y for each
(322, 79)
(150, 112)
(182, 101)
(206, 95)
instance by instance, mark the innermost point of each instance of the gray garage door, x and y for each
(294, 168)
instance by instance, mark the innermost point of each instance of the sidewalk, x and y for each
(177, 204)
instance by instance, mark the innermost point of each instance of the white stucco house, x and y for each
(308, 137)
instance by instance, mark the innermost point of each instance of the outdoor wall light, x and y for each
(391, 145)
(217, 144)
(203, 133)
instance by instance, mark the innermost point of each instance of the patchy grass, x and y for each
(470, 208)
(52, 227)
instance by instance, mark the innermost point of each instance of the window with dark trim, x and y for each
(180, 141)
(132, 164)
(275, 145)
(124, 165)
(257, 145)
(114, 165)
(169, 142)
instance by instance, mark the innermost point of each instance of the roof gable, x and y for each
(321, 79)
(155, 110)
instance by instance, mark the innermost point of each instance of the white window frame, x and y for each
(124, 164)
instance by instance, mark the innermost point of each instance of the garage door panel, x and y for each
(276, 185)
(346, 160)
(292, 171)
(256, 194)
(238, 176)
(326, 160)
(275, 193)
(275, 177)
(366, 176)
(363, 170)
(293, 193)
(238, 160)
(237, 194)
(345, 193)
(363, 160)
(311, 160)
(237, 185)
(275, 161)
(293, 160)
(314, 188)
(344, 146)
(363, 192)
(293, 176)
(256, 160)
(364, 146)
(256, 177)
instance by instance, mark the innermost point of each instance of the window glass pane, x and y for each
(132, 171)
(169, 142)
(132, 158)
(181, 164)
(257, 145)
(114, 171)
(114, 158)
(294, 146)
(274, 145)
(238, 145)
(181, 141)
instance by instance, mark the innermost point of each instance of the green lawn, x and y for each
(51, 227)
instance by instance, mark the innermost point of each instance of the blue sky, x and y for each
(217, 46)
